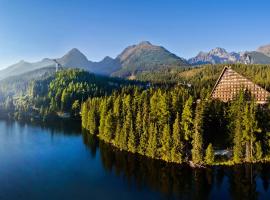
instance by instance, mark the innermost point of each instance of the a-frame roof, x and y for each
(230, 82)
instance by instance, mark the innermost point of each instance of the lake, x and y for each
(58, 161)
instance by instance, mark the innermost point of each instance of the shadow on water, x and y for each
(65, 127)
(182, 182)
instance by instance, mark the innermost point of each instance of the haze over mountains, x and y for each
(139, 58)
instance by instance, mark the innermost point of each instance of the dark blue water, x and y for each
(57, 161)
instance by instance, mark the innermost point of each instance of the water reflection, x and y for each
(182, 182)
(64, 127)
(24, 144)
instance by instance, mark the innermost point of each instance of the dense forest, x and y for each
(205, 76)
(53, 94)
(171, 125)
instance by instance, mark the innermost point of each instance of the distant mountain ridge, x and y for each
(221, 56)
(264, 49)
(139, 58)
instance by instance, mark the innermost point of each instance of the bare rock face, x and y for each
(220, 56)
(215, 56)
(265, 50)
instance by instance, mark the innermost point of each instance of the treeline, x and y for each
(169, 124)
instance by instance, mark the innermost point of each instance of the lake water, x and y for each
(57, 161)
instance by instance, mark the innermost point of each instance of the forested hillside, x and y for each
(171, 125)
(46, 94)
(205, 76)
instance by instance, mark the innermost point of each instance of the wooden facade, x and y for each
(230, 83)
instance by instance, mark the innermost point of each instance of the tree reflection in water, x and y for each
(183, 182)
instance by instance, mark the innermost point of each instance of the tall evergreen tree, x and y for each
(177, 153)
(152, 147)
(187, 119)
(166, 143)
(132, 140)
(209, 155)
(109, 127)
(197, 143)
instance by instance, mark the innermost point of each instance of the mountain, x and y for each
(254, 57)
(264, 49)
(220, 56)
(72, 59)
(134, 59)
(75, 58)
(146, 57)
(106, 66)
(215, 56)
(140, 58)
(23, 66)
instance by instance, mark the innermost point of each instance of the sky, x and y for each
(35, 29)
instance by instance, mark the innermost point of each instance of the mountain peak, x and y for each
(218, 50)
(107, 58)
(145, 43)
(74, 51)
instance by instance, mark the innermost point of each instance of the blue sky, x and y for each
(34, 29)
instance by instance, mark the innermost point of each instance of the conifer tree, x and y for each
(131, 140)
(258, 151)
(209, 155)
(144, 135)
(109, 127)
(84, 114)
(236, 127)
(197, 143)
(187, 119)
(177, 142)
(250, 130)
(163, 109)
(143, 142)
(123, 137)
(166, 143)
(139, 124)
(152, 142)
(103, 113)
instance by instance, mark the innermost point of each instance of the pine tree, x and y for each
(209, 155)
(75, 107)
(250, 130)
(177, 143)
(258, 151)
(103, 113)
(123, 137)
(187, 119)
(131, 140)
(144, 135)
(197, 143)
(236, 127)
(166, 143)
(163, 109)
(152, 147)
(109, 127)
(143, 142)
(84, 114)
(139, 125)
